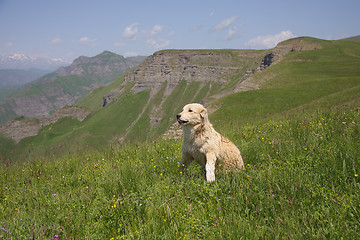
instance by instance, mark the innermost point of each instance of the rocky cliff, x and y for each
(205, 66)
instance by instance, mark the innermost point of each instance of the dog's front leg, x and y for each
(210, 167)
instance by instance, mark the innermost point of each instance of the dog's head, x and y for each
(192, 115)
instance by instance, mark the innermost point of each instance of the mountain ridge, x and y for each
(65, 86)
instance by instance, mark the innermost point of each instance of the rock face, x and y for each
(173, 66)
(267, 61)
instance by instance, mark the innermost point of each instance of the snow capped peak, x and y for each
(18, 57)
(21, 61)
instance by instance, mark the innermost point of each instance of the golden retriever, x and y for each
(204, 145)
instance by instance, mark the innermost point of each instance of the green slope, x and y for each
(95, 132)
(316, 79)
(352, 39)
(301, 182)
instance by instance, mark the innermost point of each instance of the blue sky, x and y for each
(67, 29)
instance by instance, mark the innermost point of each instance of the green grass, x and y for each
(7, 147)
(70, 135)
(352, 39)
(299, 138)
(94, 99)
(256, 106)
(301, 182)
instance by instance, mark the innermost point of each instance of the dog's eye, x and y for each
(190, 110)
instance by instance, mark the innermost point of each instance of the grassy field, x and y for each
(301, 181)
(300, 140)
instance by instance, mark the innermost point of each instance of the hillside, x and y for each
(352, 39)
(141, 104)
(328, 77)
(65, 86)
(297, 130)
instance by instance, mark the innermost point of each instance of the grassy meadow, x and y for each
(301, 181)
(299, 135)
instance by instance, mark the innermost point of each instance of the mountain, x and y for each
(238, 87)
(105, 64)
(21, 61)
(65, 86)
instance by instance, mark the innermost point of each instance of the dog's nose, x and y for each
(178, 116)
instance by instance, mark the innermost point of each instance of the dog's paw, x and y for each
(210, 177)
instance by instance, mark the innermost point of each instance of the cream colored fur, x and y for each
(204, 145)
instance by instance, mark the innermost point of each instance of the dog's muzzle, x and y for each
(179, 120)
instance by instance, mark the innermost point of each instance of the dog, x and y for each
(204, 144)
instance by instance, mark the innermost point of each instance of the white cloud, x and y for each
(231, 34)
(171, 33)
(87, 40)
(84, 40)
(269, 41)
(224, 23)
(55, 40)
(156, 29)
(157, 44)
(131, 31)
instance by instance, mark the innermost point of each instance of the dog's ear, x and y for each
(203, 113)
